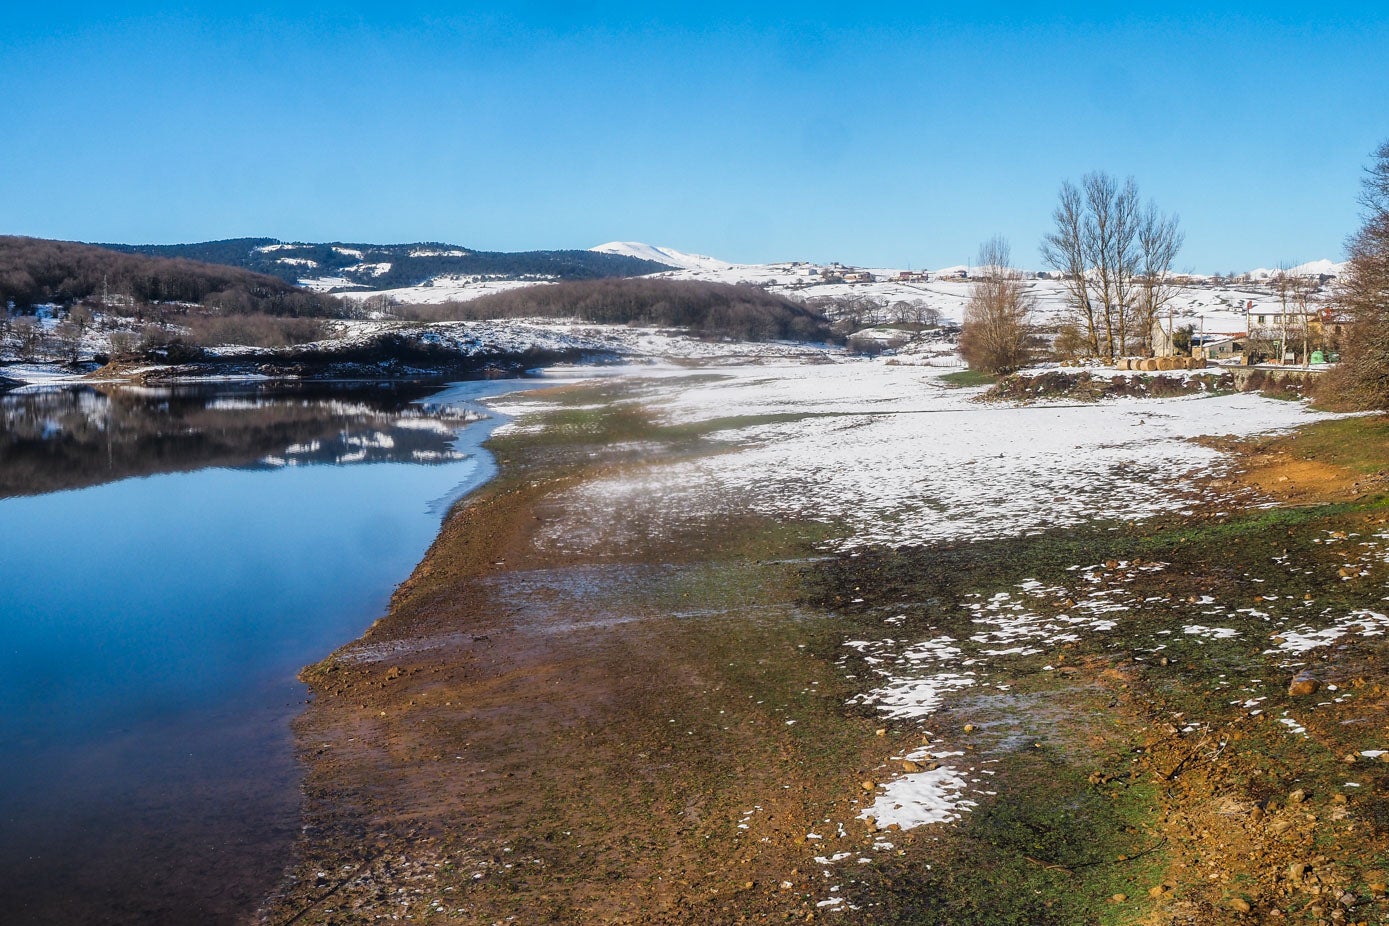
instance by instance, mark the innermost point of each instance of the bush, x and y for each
(254, 330)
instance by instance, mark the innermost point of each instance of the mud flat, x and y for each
(770, 643)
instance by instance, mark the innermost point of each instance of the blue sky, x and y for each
(890, 136)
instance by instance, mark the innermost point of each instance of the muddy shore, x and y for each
(581, 716)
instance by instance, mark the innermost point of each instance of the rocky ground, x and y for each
(646, 712)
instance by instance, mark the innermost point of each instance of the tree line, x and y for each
(1114, 255)
(36, 271)
(392, 266)
(706, 309)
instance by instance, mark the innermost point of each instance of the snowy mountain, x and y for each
(1315, 268)
(668, 256)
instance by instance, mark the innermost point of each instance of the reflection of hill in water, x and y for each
(65, 438)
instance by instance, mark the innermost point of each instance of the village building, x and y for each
(1170, 340)
(1289, 334)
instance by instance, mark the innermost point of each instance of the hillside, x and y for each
(669, 256)
(35, 271)
(1213, 303)
(341, 266)
(706, 309)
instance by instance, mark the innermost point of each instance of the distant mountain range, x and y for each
(337, 266)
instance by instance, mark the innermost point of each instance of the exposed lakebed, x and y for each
(170, 559)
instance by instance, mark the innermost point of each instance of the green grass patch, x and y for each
(1360, 444)
(969, 378)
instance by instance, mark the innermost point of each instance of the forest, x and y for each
(37, 271)
(706, 309)
(392, 266)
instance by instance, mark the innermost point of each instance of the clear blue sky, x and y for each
(875, 134)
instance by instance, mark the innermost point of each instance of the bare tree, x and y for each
(1304, 291)
(1364, 295)
(1283, 285)
(997, 336)
(1159, 241)
(1064, 250)
(1115, 258)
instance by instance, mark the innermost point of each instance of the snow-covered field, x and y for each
(891, 456)
(888, 455)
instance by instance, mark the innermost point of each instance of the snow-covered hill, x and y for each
(668, 256)
(1215, 304)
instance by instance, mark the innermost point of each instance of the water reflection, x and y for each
(152, 627)
(54, 438)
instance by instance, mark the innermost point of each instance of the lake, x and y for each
(169, 559)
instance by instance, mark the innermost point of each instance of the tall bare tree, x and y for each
(998, 336)
(1364, 294)
(1115, 256)
(1160, 239)
(1283, 284)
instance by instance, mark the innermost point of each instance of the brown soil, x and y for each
(571, 738)
(602, 733)
(1273, 469)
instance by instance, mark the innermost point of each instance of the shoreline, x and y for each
(418, 643)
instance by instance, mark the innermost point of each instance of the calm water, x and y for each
(169, 559)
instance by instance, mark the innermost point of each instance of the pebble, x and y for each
(1297, 797)
(1240, 905)
(1119, 898)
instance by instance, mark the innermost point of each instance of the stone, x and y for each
(1119, 898)
(1240, 905)
(1297, 797)
(1303, 684)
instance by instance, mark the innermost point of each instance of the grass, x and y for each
(1283, 562)
(969, 378)
(742, 628)
(1360, 444)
